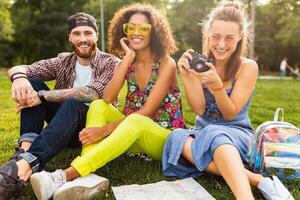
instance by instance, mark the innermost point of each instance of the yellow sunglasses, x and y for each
(144, 29)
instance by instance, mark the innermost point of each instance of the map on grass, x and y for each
(185, 189)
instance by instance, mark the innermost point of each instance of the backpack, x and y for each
(276, 149)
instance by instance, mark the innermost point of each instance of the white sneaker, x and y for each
(274, 189)
(84, 187)
(45, 183)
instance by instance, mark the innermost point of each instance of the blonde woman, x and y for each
(220, 142)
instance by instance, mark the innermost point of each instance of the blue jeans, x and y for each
(64, 121)
(282, 73)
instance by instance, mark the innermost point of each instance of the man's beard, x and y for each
(89, 54)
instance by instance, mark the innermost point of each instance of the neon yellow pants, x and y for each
(135, 134)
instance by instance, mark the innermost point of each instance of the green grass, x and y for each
(269, 95)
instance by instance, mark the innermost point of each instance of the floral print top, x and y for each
(168, 114)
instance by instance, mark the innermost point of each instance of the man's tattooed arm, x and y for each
(83, 94)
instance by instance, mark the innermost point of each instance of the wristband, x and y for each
(217, 89)
(13, 79)
(12, 76)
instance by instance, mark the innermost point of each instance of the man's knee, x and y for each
(73, 107)
(38, 84)
(70, 102)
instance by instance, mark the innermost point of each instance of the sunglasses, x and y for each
(228, 40)
(144, 29)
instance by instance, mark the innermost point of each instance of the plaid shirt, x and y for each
(62, 69)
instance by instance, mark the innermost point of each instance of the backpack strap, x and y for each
(277, 113)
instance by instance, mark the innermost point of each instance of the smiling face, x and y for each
(138, 40)
(223, 39)
(84, 41)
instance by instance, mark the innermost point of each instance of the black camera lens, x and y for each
(198, 63)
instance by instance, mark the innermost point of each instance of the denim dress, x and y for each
(210, 131)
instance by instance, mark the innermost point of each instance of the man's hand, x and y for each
(35, 101)
(93, 135)
(23, 93)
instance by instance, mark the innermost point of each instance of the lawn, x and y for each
(269, 95)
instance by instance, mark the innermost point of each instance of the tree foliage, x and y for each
(6, 33)
(186, 17)
(6, 25)
(40, 27)
(277, 31)
(36, 29)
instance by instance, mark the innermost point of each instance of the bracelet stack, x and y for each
(22, 75)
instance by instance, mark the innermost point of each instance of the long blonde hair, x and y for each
(229, 11)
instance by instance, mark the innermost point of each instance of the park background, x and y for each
(31, 30)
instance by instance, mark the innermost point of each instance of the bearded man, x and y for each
(80, 78)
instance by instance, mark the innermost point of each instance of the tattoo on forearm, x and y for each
(84, 94)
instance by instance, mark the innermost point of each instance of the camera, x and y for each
(198, 62)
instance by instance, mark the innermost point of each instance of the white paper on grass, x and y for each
(185, 189)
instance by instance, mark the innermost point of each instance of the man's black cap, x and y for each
(81, 19)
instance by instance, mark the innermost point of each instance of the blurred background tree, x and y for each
(277, 33)
(40, 27)
(36, 29)
(6, 33)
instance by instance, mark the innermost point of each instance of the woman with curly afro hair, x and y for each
(140, 34)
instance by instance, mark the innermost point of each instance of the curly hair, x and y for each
(230, 11)
(162, 42)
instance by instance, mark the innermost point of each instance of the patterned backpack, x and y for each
(276, 149)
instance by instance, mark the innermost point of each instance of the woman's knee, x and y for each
(98, 106)
(136, 123)
(98, 103)
(225, 149)
(137, 119)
